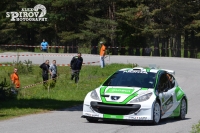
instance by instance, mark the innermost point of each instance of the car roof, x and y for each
(153, 70)
(140, 68)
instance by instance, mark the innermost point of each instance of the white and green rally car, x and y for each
(137, 94)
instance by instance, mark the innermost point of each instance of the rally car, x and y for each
(137, 94)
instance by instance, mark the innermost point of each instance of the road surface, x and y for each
(69, 121)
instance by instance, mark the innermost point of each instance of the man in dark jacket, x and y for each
(148, 51)
(75, 65)
(45, 71)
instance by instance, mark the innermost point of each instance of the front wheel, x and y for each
(183, 109)
(156, 113)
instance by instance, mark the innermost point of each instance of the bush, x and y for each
(5, 90)
(196, 128)
(25, 67)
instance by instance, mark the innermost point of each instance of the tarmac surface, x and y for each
(70, 121)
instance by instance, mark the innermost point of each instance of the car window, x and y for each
(163, 83)
(171, 81)
(131, 79)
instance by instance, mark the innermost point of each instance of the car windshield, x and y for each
(131, 79)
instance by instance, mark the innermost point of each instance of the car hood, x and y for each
(119, 94)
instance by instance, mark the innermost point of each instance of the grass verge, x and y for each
(64, 94)
(196, 128)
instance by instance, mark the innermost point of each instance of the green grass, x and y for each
(196, 128)
(65, 94)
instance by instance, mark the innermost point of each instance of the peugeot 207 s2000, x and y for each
(137, 94)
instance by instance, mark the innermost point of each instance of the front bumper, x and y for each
(130, 112)
(114, 108)
(110, 119)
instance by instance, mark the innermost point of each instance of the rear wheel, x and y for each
(92, 120)
(183, 109)
(156, 113)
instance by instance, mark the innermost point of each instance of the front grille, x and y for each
(115, 109)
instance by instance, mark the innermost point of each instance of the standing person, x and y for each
(102, 55)
(15, 81)
(75, 65)
(45, 71)
(44, 46)
(53, 69)
(147, 51)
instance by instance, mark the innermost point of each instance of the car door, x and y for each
(166, 95)
(171, 103)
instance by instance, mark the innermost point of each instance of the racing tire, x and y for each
(156, 113)
(183, 109)
(92, 120)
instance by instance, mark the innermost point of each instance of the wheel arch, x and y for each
(157, 99)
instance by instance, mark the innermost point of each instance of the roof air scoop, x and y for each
(152, 66)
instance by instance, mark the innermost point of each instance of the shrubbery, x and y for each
(25, 67)
(6, 89)
(196, 128)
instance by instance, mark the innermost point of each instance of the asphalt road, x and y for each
(69, 121)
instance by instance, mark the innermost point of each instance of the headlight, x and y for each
(94, 95)
(142, 98)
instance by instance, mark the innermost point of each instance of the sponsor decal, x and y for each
(88, 114)
(137, 118)
(179, 93)
(120, 90)
(92, 115)
(168, 104)
(113, 116)
(95, 115)
(135, 71)
(102, 91)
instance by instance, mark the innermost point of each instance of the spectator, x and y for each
(53, 69)
(102, 55)
(15, 81)
(45, 71)
(148, 51)
(75, 65)
(44, 46)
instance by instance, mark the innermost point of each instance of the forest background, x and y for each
(127, 27)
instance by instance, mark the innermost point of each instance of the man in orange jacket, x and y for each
(15, 79)
(102, 55)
